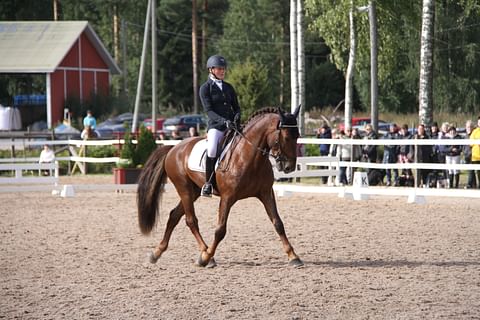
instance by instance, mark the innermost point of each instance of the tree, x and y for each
(252, 85)
(253, 29)
(425, 113)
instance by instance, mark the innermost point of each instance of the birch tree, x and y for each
(350, 70)
(425, 112)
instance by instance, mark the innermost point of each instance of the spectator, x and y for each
(441, 150)
(357, 149)
(46, 156)
(369, 152)
(476, 150)
(421, 154)
(403, 152)
(345, 153)
(162, 136)
(333, 152)
(390, 155)
(467, 154)
(453, 157)
(89, 124)
(176, 135)
(192, 131)
(324, 132)
(434, 131)
(437, 174)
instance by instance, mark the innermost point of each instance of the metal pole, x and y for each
(154, 69)
(141, 75)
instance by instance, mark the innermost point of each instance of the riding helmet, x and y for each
(216, 61)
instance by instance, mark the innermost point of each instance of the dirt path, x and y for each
(84, 258)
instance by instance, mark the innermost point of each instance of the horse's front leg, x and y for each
(268, 200)
(220, 231)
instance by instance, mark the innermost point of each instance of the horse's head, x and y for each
(284, 145)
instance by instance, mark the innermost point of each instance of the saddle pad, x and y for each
(196, 160)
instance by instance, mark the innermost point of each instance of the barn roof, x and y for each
(40, 46)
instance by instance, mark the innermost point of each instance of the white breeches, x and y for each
(213, 138)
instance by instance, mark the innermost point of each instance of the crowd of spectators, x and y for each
(418, 153)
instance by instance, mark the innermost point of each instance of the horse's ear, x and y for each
(297, 111)
(282, 116)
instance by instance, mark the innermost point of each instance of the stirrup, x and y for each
(207, 190)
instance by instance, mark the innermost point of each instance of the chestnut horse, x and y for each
(245, 171)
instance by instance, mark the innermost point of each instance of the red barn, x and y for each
(69, 53)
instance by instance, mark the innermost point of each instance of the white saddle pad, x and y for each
(196, 160)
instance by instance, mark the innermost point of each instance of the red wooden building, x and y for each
(70, 54)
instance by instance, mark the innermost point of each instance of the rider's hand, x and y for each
(229, 124)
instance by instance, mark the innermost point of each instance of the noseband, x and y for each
(279, 156)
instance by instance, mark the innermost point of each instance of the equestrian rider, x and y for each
(220, 102)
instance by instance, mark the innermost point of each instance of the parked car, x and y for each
(159, 126)
(183, 123)
(115, 127)
(360, 122)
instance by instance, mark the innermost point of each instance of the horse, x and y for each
(245, 171)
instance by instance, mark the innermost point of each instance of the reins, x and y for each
(265, 151)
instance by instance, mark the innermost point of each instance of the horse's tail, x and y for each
(150, 188)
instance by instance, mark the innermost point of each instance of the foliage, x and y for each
(258, 30)
(244, 38)
(252, 86)
(145, 146)
(312, 150)
(127, 155)
(100, 152)
(399, 23)
(135, 156)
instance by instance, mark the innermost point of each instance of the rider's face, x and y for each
(218, 72)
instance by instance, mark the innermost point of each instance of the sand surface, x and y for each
(85, 258)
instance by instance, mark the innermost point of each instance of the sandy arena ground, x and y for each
(85, 258)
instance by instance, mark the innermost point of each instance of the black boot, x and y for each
(457, 180)
(209, 168)
(450, 181)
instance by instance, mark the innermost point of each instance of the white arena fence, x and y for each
(306, 166)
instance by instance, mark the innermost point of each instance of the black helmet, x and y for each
(216, 61)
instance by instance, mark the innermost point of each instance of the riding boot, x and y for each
(209, 168)
(450, 181)
(457, 180)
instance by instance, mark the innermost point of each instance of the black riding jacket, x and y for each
(220, 105)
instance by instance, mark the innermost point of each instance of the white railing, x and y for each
(307, 166)
(29, 177)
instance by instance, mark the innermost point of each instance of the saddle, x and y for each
(196, 160)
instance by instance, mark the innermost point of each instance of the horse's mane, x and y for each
(263, 111)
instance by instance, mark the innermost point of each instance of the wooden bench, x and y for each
(24, 178)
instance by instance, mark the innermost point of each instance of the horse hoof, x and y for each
(202, 263)
(296, 263)
(152, 258)
(211, 264)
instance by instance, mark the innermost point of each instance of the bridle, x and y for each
(279, 156)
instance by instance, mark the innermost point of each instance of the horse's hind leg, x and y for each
(192, 223)
(268, 200)
(173, 219)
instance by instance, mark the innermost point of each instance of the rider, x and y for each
(220, 102)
